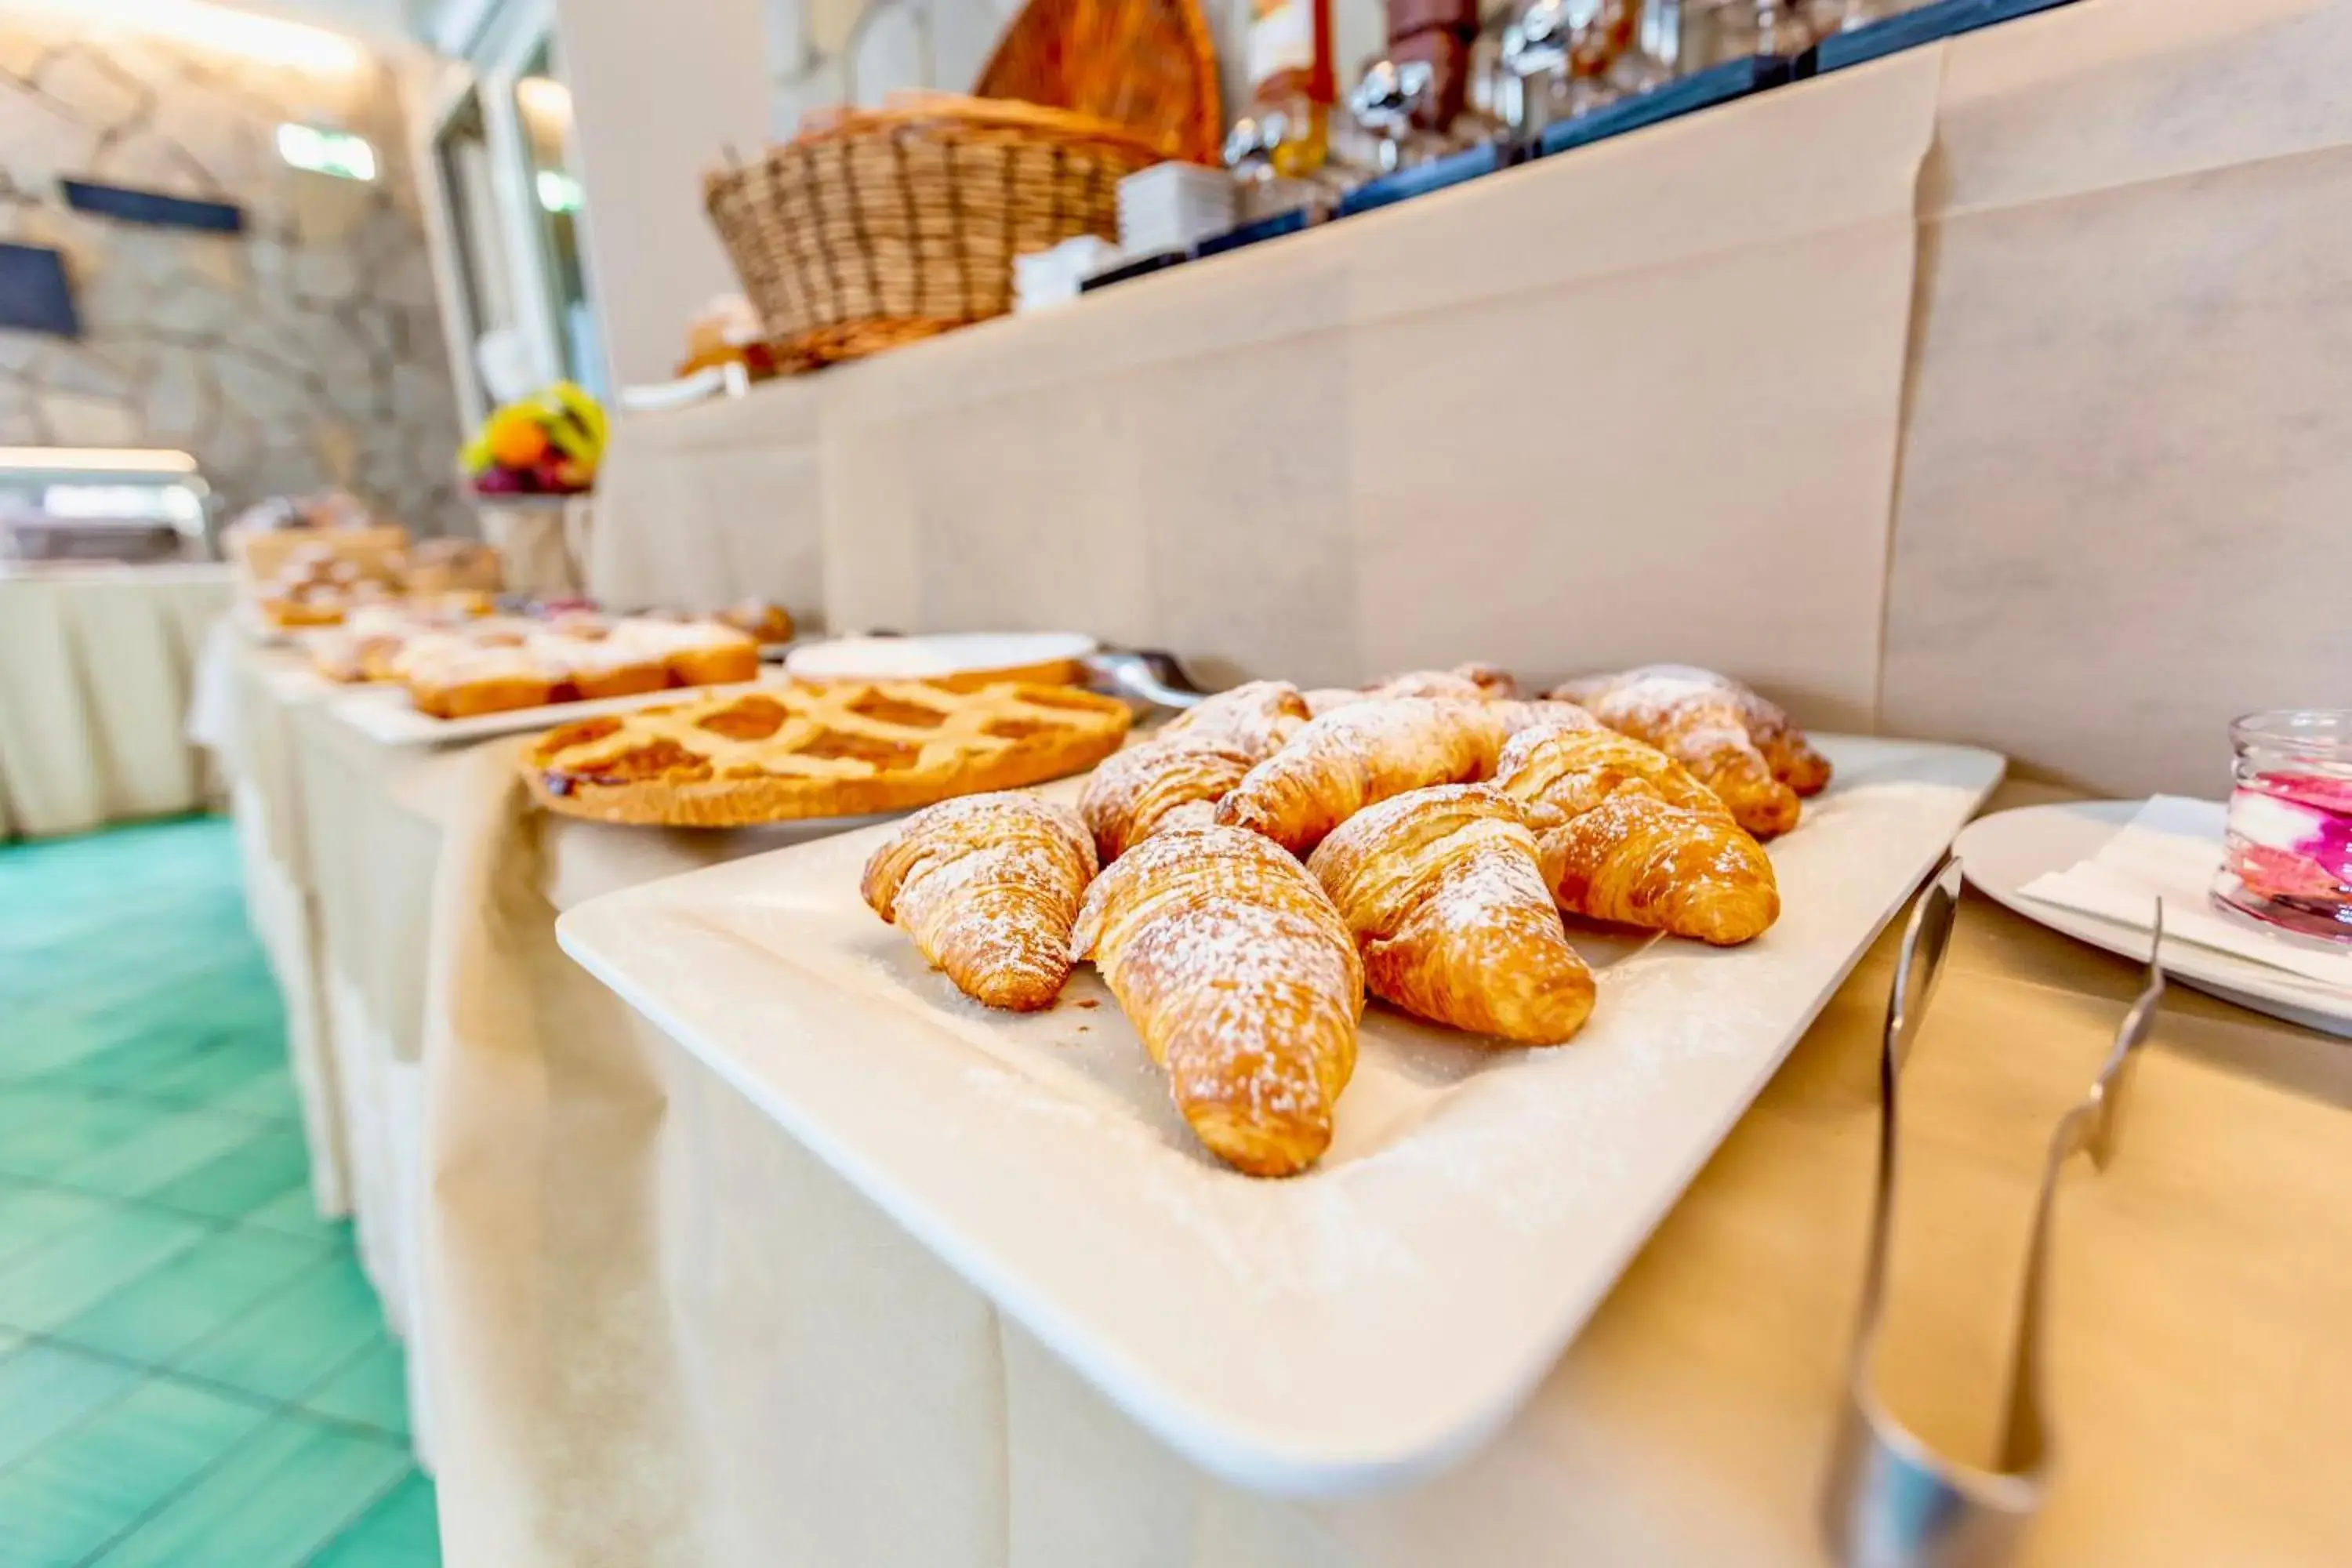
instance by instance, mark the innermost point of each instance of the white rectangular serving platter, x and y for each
(383, 713)
(1349, 1329)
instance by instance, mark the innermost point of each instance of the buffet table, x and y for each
(1985, 369)
(97, 663)
(647, 1327)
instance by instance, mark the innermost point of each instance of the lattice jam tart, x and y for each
(793, 751)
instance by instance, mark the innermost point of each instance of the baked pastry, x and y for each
(1625, 834)
(1785, 747)
(1137, 791)
(1517, 715)
(1322, 699)
(1497, 682)
(1356, 755)
(988, 888)
(1443, 893)
(449, 676)
(782, 754)
(1257, 716)
(759, 620)
(1242, 982)
(1182, 772)
(1635, 861)
(597, 666)
(1472, 682)
(454, 565)
(1703, 726)
(1556, 775)
(1429, 683)
(695, 653)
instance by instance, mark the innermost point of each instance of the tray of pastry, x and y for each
(1306, 1075)
(425, 683)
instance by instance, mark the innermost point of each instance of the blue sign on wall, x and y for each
(153, 208)
(34, 293)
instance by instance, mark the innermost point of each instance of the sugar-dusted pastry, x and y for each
(1563, 773)
(988, 888)
(458, 679)
(1702, 725)
(1136, 792)
(695, 653)
(1429, 683)
(1242, 982)
(1792, 758)
(1322, 699)
(1447, 902)
(1497, 682)
(1517, 715)
(1191, 762)
(1625, 834)
(1638, 861)
(1256, 716)
(1355, 756)
(600, 666)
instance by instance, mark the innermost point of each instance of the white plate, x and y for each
(2003, 852)
(384, 714)
(1348, 1328)
(932, 657)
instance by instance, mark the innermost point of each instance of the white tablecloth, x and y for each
(96, 667)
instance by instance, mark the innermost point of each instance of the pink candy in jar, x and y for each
(2289, 846)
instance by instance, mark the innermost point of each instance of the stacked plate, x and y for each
(1170, 205)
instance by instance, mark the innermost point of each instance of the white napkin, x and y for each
(2171, 850)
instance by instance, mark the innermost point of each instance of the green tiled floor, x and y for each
(193, 1371)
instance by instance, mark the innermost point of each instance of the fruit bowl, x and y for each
(548, 444)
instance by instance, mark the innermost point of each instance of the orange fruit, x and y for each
(516, 441)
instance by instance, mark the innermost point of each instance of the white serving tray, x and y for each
(2003, 852)
(1353, 1327)
(384, 714)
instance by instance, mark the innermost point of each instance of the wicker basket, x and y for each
(873, 229)
(1150, 64)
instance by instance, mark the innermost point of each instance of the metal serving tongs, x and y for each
(1893, 1501)
(1149, 676)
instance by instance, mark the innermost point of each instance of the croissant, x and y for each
(1135, 791)
(1242, 981)
(1790, 755)
(1191, 762)
(1353, 756)
(1624, 834)
(1701, 725)
(1444, 892)
(987, 887)
(1429, 683)
(1472, 682)
(1564, 772)
(1257, 716)
(1518, 715)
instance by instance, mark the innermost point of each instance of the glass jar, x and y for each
(2287, 858)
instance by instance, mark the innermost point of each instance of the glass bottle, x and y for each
(1291, 76)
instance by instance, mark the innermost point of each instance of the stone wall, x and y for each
(304, 352)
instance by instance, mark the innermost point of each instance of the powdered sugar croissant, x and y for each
(1191, 762)
(1256, 716)
(1442, 889)
(1242, 982)
(987, 887)
(1355, 756)
(1702, 724)
(1624, 834)
(1137, 792)
(1785, 748)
